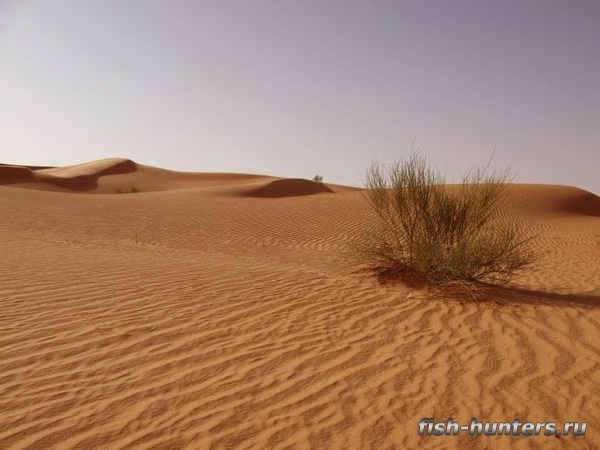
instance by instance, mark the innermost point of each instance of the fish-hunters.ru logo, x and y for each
(429, 427)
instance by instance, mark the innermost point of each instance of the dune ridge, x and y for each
(80, 177)
(120, 174)
(553, 199)
(198, 314)
(16, 174)
(289, 187)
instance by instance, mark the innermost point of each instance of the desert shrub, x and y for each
(437, 233)
(318, 178)
(132, 190)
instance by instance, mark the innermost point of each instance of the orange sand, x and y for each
(214, 311)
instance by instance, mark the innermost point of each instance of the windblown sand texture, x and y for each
(213, 311)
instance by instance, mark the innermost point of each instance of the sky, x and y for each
(306, 87)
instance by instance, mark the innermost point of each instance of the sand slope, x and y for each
(214, 311)
(113, 175)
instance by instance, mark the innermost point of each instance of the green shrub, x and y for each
(438, 233)
(132, 190)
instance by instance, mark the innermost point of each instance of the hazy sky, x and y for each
(298, 88)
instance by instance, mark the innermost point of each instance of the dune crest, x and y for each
(289, 187)
(584, 202)
(84, 177)
(115, 174)
(555, 200)
(101, 167)
(79, 177)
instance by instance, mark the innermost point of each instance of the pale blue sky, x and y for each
(296, 88)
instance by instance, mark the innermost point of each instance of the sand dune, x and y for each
(112, 175)
(78, 178)
(214, 311)
(553, 200)
(16, 174)
(288, 188)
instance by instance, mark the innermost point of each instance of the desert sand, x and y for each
(214, 311)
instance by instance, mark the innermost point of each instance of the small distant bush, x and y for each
(132, 190)
(318, 178)
(428, 231)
